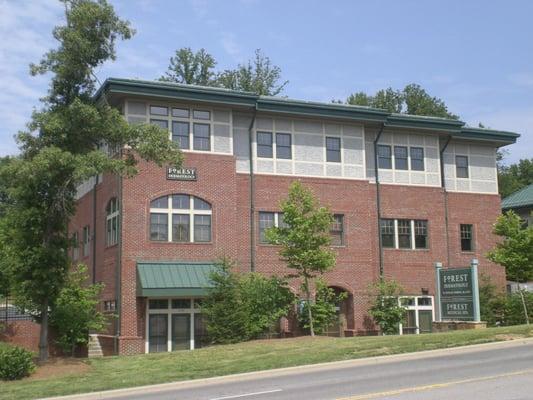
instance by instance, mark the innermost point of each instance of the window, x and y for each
(466, 237)
(201, 136)
(283, 146)
(387, 232)
(86, 240)
(112, 213)
(421, 234)
(110, 305)
(384, 157)
(333, 149)
(419, 314)
(181, 303)
(400, 157)
(180, 134)
(264, 144)
(266, 221)
(201, 114)
(190, 219)
(158, 304)
(337, 230)
(417, 158)
(404, 234)
(157, 110)
(160, 122)
(461, 166)
(75, 246)
(180, 112)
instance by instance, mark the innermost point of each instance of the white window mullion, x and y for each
(413, 234)
(191, 219)
(191, 327)
(169, 328)
(396, 241)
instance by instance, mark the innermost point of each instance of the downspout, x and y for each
(94, 228)
(443, 185)
(118, 283)
(252, 191)
(378, 200)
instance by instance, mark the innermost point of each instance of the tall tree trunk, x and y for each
(43, 336)
(310, 313)
(526, 314)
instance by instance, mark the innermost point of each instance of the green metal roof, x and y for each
(168, 279)
(522, 198)
(282, 105)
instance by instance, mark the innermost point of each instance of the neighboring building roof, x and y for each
(522, 198)
(173, 278)
(282, 105)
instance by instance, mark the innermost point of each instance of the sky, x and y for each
(475, 55)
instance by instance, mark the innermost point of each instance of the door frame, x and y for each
(416, 308)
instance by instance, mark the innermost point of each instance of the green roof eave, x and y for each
(421, 122)
(333, 110)
(520, 199)
(491, 135)
(177, 92)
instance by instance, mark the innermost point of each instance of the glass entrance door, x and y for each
(181, 332)
(158, 333)
(425, 319)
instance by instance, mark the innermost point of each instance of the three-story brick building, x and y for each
(406, 191)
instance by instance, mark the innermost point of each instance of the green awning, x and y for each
(169, 279)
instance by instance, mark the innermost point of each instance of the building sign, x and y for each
(181, 174)
(457, 293)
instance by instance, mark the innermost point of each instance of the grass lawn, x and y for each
(128, 371)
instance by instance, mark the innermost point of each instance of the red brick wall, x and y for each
(228, 192)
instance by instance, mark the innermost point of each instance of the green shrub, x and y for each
(241, 307)
(15, 363)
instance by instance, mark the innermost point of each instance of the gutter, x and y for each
(378, 199)
(94, 229)
(118, 283)
(445, 192)
(252, 191)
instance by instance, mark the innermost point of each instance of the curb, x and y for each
(139, 390)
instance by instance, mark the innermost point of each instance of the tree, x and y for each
(191, 68)
(515, 251)
(412, 99)
(304, 238)
(492, 302)
(385, 309)
(72, 126)
(514, 177)
(323, 308)
(241, 307)
(74, 313)
(258, 76)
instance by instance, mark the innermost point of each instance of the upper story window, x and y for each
(264, 144)
(283, 146)
(404, 233)
(188, 126)
(333, 149)
(417, 158)
(180, 218)
(86, 240)
(400, 157)
(461, 166)
(112, 214)
(384, 157)
(337, 230)
(467, 237)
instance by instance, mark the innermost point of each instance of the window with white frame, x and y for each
(384, 157)
(461, 166)
(402, 158)
(112, 214)
(269, 220)
(283, 146)
(419, 314)
(333, 149)
(187, 126)
(417, 158)
(264, 145)
(180, 218)
(404, 233)
(75, 246)
(467, 237)
(86, 240)
(337, 230)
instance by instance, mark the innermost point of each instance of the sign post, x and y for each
(438, 267)
(475, 288)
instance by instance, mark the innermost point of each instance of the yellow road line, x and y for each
(413, 389)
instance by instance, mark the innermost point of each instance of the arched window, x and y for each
(180, 218)
(112, 222)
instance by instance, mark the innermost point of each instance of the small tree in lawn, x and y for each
(74, 313)
(304, 239)
(515, 252)
(385, 309)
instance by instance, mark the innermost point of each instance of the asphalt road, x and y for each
(484, 373)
